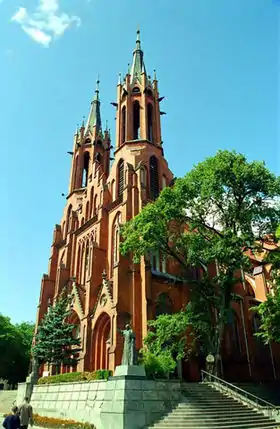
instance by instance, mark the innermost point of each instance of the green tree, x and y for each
(220, 210)
(269, 311)
(15, 347)
(55, 343)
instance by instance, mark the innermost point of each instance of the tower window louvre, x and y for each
(85, 170)
(154, 186)
(136, 120)
(150, 121)
(123, 124)
(120, 178)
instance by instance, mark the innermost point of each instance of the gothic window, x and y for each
(84, 338)
(115, 241)
(164, 304)
(233, 334)
(262, 351)
(143, 177)
(91, 202)
(78, 267)
(123, 124)
(68, 221)
(101, 198)
(136, 120)
(155, 261)
(63, 230)
(136, 90)
(85, 170)
(86, 271)
(113, 190)
(150, 122)
(87, 211)
(154, 186)
(95, 205)
(120, 177)
(77, 331)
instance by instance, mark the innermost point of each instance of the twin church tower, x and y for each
(109, 290)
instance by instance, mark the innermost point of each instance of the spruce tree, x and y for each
(54, 341)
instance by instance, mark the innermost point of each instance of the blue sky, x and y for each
(217, 63)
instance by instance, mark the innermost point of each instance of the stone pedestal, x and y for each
(137, 371)
(133, 402)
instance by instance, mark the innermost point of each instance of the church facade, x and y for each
(109, 290)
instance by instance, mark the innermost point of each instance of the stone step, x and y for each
(229, 425)
(211, 413)
(238, 426)
(215, 417)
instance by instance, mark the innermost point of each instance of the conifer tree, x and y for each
(54, 342)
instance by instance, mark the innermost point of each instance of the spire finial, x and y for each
(97, 88)
(77, 130)
(155, 74)
(120, 78)
(138, 41)
(106, 126)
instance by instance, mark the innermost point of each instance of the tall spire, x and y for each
(138, 66)
(94, 119)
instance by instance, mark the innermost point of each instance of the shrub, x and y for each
(102, 374)
(157, 366)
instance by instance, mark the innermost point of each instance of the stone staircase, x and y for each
(206, 408)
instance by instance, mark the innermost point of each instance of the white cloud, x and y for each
(46, 23)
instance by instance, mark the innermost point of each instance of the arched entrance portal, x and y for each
(101, 342)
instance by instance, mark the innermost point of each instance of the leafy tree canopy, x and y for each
(221, 210)
(15, 347)
(269, 311)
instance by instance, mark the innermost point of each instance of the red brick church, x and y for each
(109, 290)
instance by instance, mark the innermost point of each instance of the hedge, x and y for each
(102, 374)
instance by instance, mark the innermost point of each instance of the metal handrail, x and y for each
(268, 405)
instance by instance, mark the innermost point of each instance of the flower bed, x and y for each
(54, 423)
(50, 422)
(76, 376)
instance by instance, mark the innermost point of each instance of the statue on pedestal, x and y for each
(129, 356)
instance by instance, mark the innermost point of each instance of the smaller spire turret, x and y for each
(138, 66)
(94, 119)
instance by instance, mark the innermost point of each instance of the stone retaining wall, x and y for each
(119, 403)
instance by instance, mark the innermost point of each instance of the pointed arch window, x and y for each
(120, 178)
(87, 211)
(78, 267)
(233, 334)
(136, 120)
(164, 304)
(143, 177)
(113, 190)
(95, 205)
(154, 188)
(85, 170)
(150, 121)
(68, 220)
(86, 267)
(115, 242)
(123, 124)
(91, 202)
